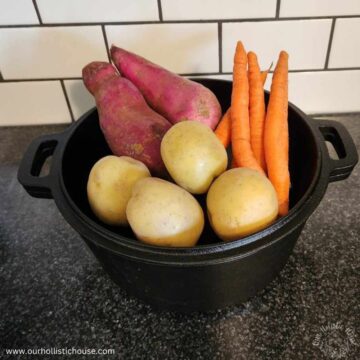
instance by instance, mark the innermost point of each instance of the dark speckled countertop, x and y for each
(54, 294)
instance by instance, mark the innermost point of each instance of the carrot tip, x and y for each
(283, 53)
(284, 208)
(239, 52)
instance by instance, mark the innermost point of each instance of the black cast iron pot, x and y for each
(213, 274)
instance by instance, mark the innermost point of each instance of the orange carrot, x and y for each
(256, 110)
(276, 138)
(223, 130)
(240, 127)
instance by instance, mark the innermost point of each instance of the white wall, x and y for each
(45, 43)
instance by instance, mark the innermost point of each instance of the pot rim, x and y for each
(206, 253)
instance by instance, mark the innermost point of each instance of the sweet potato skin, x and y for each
(129, 125)
(171, 95)
(96, 74)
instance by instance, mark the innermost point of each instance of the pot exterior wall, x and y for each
(203, 287)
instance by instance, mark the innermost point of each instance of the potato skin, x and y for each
(240, 202)
(193, 155)
(163, 214)
(110, 185)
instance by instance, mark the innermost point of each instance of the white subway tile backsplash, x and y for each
(215, 9)
(306, 42)
(49, 52)
(79, 11)
(79, 97)
(182, 48)
(297, 8)
(29, 103)
(17, 12)
(324, 91)
(187, 43)
(345, 49)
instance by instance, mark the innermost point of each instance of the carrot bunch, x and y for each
(259, 137)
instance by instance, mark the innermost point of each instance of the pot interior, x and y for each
(86, 145)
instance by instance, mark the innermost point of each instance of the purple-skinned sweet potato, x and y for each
(171, 95)
(129, 125)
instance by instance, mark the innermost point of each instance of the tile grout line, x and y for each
(41, 79)
(186, 74)
(160, 11)
(67, 100)
(330, 44)
(220, 46)
(106, 42)
(37, 11)
(277, 11)
(200, 21)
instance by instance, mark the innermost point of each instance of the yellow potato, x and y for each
(193, 155)
(240, 202)
(163, 214)
(110, 184)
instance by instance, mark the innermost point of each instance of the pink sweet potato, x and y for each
(173, 96)
(129, 125)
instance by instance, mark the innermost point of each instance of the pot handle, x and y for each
(339, 137)
(33, 161)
